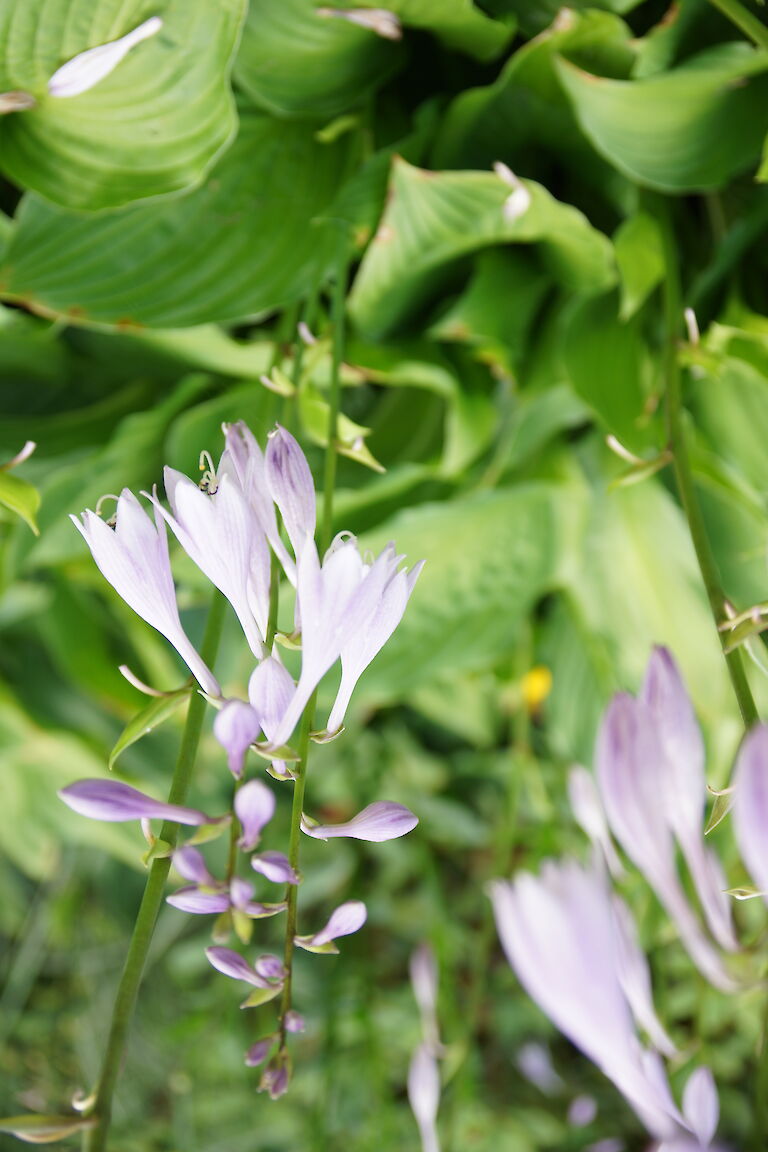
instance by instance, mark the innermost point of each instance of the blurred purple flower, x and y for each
(290, 485)
(133, 558)
(424, 1095)
(750, 805)
(236, 727)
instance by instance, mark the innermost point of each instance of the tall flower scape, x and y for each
(347, 607)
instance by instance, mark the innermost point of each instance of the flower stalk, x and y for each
(95, 1139)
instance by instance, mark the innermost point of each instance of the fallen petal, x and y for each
(87, 68)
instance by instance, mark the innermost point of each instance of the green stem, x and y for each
(682, 467)
(293, 857)
(95, 1139)
(337, 319)
(734, 11)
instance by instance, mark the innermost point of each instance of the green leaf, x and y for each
(640, 259)
(294, 61)
(156, 713)
(433, 219)
(235, 248)
(42, 1129)
(688, 130)
(20, 497)
(608, 366)
(154, 125)
(350, 437)
(537, 15)
(459, 24)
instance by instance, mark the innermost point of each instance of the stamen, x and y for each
(112, 521)
(209, 482)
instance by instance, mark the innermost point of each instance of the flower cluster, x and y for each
(347, 606)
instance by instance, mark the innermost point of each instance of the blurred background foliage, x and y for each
(161, 238)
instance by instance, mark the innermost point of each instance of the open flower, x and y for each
(133, 557)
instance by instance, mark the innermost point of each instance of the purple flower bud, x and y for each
(275, 866)
(270, 690)
(113, 801)
(381, 821)
(750, 804)
(291, 486)
(258, 1052)
(275, 1080)
(254, 807)
(198, 903)
(232, 964)
(241, 893)
(293, 1021)
(582, 1111)
(189, 864)
(345, 920)
(236, 727)
(269, 967)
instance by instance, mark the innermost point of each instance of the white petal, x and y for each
(424, 1095)
(291, 486)
(86, 69)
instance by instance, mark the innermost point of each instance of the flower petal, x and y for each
(258, 1052)
(345, 920)
(190, 864)
(232, 964)
(199, 903)
(701, 1106)
(270, 689)
(750, 804)
(114, 801)
(88, 68)
(291, 486)
(254, 807)
(424, 1095)
(236, 727)
(381, 821)
(275, 866)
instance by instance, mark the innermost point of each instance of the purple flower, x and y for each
(381, 821)
(276, 1078)
(290, 484)
(270, 690)
(275, 866)
(293, 1021)
(630, 763)
(113, 801)
(219, 532)
(244, 460)
(232, 964)
(236, 727)
(559, 934)
(750, 804)
(424, 1095)
(345, 920)
(133, 558)
(209, 897)
(258, 1052)
(254, 808)
(190, 865)
(589, 814)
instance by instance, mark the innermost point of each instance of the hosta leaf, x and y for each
(640, 257)
(241, 245)
(295, 61)
(20, 497)
(460, 24)
(690, 129)
(153, 126)
(433, 219)
(156, 713)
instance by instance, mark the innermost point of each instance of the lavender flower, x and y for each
(290, 484)
(236, 727)
(133, 558)
(254, 808)
(275, 866)
(381, 821)
(750, 805)
(114, 801)
(345, 920)
(244, 461)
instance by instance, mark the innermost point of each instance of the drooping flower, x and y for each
(559, 933)
(345, 920)
(750, 804)
(381, 821)
(88, 68)
(113, 801)
(236, 727)
(629, 764)
(133, 558)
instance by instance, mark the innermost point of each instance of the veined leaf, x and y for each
(296, 62)
(687, 130)
(434, 218)
(156, 713)
(241, 245)
(153, 126)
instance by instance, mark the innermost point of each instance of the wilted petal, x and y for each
(88, 68)
(291, 486)
(199, 903)
(232, 964)
(254, 808)
(114, 801)
(133, 558)
(750, 804)
(275, 866)
(701, 1107)
(381, 821)
(424, 1095)
(236, 727)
